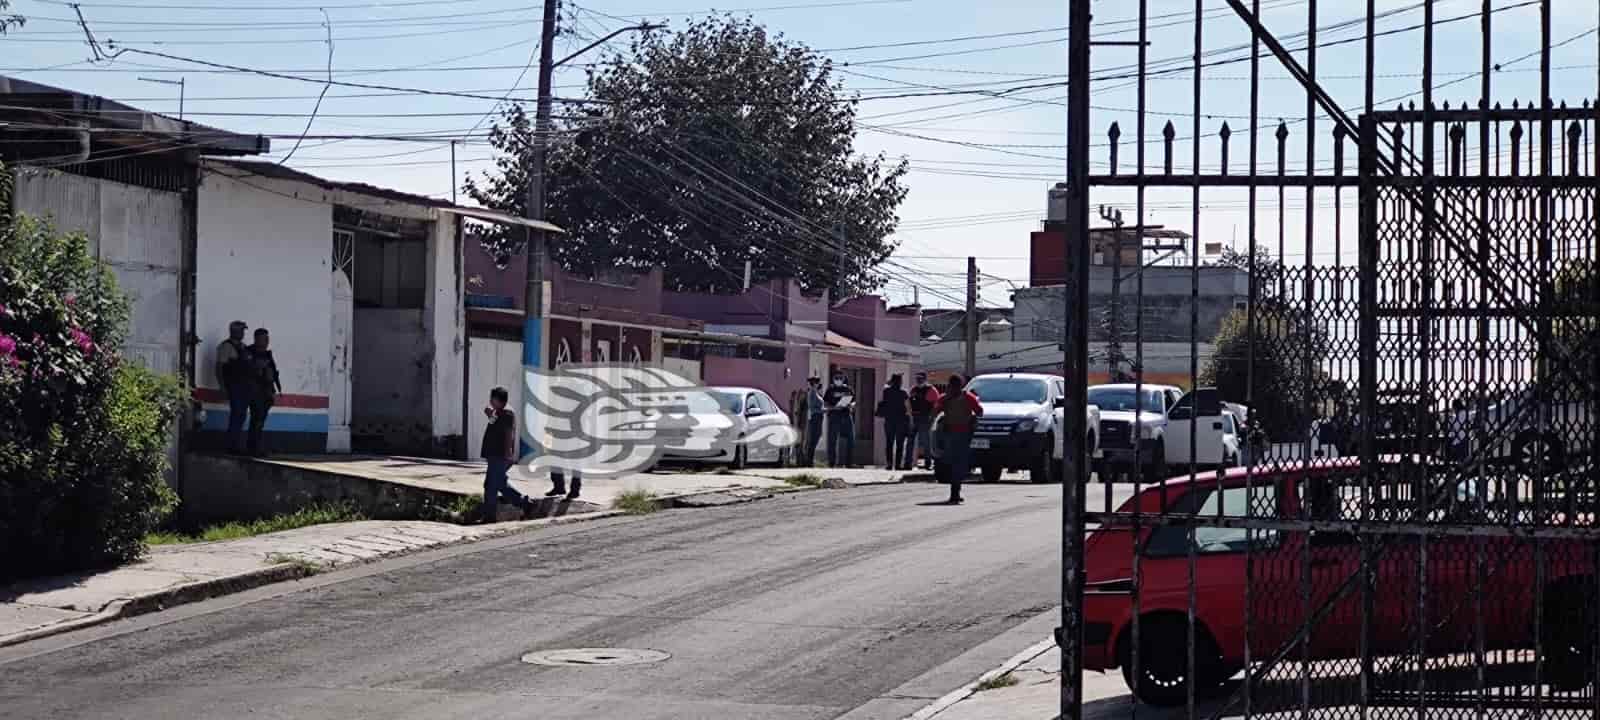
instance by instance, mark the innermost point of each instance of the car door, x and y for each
(1207, 427)
(1221, 572)
(769, 424)
(755, 416)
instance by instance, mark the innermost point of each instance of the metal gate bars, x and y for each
(1379, 495)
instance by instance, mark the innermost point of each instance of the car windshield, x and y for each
(1121, 399)
(716, 401)
(1009, 390)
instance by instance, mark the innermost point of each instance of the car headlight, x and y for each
(1027, 425)
(1147, 432)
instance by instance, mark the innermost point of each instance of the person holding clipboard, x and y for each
(840, 401)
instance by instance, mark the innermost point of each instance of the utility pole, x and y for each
(452, 172)
(1114, 313)
(533, 296)
(1075, 361)
(972, 317)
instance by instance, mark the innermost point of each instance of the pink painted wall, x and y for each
(760, 374)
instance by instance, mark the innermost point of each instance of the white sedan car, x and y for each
(760, 432)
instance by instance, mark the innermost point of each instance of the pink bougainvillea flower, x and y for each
(71, 299)
(84, 342)
(8, 345)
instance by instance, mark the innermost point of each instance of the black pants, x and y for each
(896, 433)
(259, 407)
(558, 480)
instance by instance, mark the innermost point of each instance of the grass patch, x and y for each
(636, 502)
(306, 566)
(804, 480)
(305, 517)
(997, 682)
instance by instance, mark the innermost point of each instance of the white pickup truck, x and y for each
(1148, 429)
(1021, 427)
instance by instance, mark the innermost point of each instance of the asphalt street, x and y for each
(809, 605)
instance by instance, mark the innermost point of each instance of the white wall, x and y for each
(264, 257)
(137, 231)
(494, 362)
(447, 323)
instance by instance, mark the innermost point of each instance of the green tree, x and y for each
(701, 149)
(83, 437)
(1283, 345)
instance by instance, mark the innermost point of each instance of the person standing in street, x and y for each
(923, 398)
(233, 372)
(816, 409)
(841, 403)
(500, 453)
(961, 412)
(892, 407)
(264, 376)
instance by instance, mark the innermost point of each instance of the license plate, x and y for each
(980, 444)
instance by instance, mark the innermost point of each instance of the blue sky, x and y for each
(981, 165)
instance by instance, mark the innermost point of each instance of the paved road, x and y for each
(805, 606)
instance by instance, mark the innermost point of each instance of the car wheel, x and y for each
(1156, 471)
(991, 473)
(741, 457)
(1045, 469)
(1164, 675)
(1531, 449)
(1568, 648)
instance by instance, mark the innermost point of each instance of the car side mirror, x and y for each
(752, 411)
(1059, 402)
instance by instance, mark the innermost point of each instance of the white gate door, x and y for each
(344, 309)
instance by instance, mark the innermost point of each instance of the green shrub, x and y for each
(83, 436)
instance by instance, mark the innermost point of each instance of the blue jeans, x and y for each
(813, 437)
(497, 486)
(841, 438)
(238, 409)
(958, 455)
(921, 439)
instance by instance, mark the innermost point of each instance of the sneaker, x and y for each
(572, 496)
(555, 492)
(956, 501)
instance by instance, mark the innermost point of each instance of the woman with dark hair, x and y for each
(894, 408)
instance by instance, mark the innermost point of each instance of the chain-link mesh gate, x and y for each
(1403, 522)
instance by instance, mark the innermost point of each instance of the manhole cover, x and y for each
(581, 657)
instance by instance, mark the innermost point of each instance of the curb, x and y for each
(970, 689)
(280, 572)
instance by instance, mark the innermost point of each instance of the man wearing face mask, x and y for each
(840, 401)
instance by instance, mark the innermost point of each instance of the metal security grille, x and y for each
(1403, 523)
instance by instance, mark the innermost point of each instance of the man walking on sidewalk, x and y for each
(500, 452)
(961, 411)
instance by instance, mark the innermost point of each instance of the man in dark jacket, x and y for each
(266, 385)
(233, 373)
(841, 404)
(923, 399)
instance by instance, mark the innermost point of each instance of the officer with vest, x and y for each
(238, 381)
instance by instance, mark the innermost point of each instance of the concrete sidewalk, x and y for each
(460, 477)
(175, 574)
(1036, 695)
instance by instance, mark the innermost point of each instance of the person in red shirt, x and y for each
(961, 412)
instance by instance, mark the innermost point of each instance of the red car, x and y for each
(1454, 613)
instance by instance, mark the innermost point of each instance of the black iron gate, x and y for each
(1405, 523)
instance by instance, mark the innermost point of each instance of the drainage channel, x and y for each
(593, 657)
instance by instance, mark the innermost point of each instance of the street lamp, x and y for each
(179, 82)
